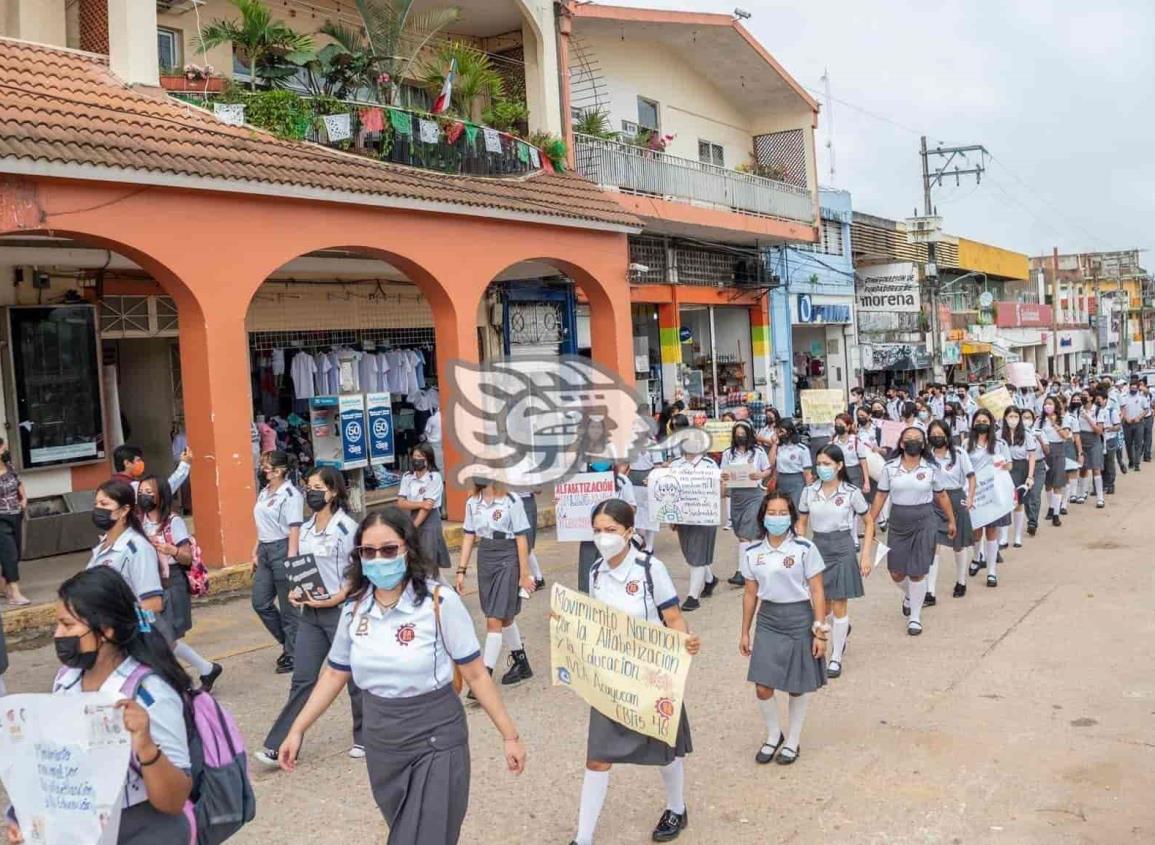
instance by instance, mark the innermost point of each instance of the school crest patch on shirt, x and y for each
(839, 501)
(632, 587)
(496, 515)
(789, 561)
(406, 633)
(921, 476)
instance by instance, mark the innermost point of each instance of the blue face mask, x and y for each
(385, 574)
(777, 525)
(826, 472)
(601, 466)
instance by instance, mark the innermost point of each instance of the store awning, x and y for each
(1000, 351)
(975, 347)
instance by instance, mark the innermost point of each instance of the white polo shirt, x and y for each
(624, 586)
(909, 487)
(783, 574)
(1024, 450)
(748, 460)
(833, 512)
(981, 457)
(330, 548)
(793, 458)
(503, 518)
(1089, 416)
(180, 536)
(133, 556)
(854, 449)
(399, 653)
(427, 486)
(277, 512)
(166, 722)
(952, 475)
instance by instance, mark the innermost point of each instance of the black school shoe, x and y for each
(1055, 521)
(284, 665)
(737, 579)
(929, 600)
(708, 590)
(960, 590)
(538, 583)
(208, 680)
(1032, 530)
(691, 603)
(671, 825)
(1050, 513)
(519, 669)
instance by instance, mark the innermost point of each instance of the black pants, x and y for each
(1109, 458)
(1133, 435)
(1032, 500)
(11, 531)
(1147, 425)
(271, 594)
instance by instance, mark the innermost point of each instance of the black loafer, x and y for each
(1063, 511)
(1055, 521)
(913, 629)
(930, 600)
(1018, 545)
(1032, 530)
(737, 579)
(960, 590)
(834, 669)
(671, 825)
(787, 756)
(284, 667)
(906, 608)
(691, 603)
(708, 590)
(208, 680)
(763, 756)
(992, 581)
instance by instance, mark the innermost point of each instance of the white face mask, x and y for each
(610, 545)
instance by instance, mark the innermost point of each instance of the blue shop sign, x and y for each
(381, 448)
(354, 448)
(810, 311)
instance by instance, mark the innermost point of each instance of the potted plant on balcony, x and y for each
(193, 79)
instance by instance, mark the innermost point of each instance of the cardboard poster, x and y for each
(719, 431)
(644, 516)
(994, 496)
(575, 500)
(996, 401)
(891, 430)
(687, 495)
(1022, 374)
(631, 671)
(820, 407)
(58, 759)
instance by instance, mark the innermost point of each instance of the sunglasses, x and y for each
(389, 550)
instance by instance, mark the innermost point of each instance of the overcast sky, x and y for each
(1062, 93)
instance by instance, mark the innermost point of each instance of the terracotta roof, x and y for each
(65, 107)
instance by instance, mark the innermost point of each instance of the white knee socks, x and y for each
(904, 585)
(1099, 487)
(960, 565)
(188, 654)
(674, 777)
(917, 594)
(769, 708)
(511, 636)
(1004, 532)
(797, 717)
(992, 556)
(1019, 518)
(535, 566)
(697, 581)
(710, 576)
(492, 650)
(594, 789)
(932, 576)
(1081, 486)
(1057, 500)
(839, 629)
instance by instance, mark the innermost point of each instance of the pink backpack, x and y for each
(198, 573)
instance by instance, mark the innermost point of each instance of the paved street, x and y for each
(1024, 714)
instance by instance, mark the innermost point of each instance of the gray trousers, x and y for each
(1133, 436)
(271, 594)
(1147, 426)
(1033, 500)
(315, 633)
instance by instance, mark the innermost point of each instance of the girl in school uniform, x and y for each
(784, 585)
(696, 541)
(398, 638)
(529, 503)
(1056, 434)
(1093, 421)
(103, 645)
(1075, 490)
(587, 551)
(957, 477)
(420, 493)
(279, 512)
(748, 461)
(637, 583)
(910, 480)
(792, 462)
(170, 536)
(854, 451)
(328, 536)
(125, 548)
(496, 525)
(768, 434)
(831, 506)
(1033, 498)
(640, 468)
(986, 449)
(1021, 442)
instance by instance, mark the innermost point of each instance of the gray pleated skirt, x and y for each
(530, 505)
(782, 658)
(177, 611)
(497, 578)
(417, 754)
(962, 521)
(1019, 469)
(611, 742)
(855, 475)
(792, 483)
(1057, 466)
(143, 824)
(744, 504)
(911, 537)
(1072, 452)
(697, 543)
(1092, 450)
(842, 578)
(431, 540)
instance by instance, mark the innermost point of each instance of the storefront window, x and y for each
(56, 373)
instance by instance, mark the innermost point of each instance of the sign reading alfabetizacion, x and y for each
(887, 287)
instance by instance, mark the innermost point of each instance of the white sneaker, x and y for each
(267, 758)
(357, 752)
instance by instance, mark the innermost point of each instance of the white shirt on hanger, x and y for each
(303, 369)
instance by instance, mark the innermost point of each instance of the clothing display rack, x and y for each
(406, 338)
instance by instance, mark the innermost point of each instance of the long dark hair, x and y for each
(1056, 418)
(926, 455)
(775, 495)
(751, 446)
(426, 451)
(992, 435)
(122, 493)
(787, 425)
(163, 496)
(1017, 436)
(417, 569)
(834, 452)
(101, 598)
(280, 459)
(944, 427)
(335, 481)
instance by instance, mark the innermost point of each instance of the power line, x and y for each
(1047, 202)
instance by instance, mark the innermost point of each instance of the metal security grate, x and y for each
(785, 150)
(650, 253)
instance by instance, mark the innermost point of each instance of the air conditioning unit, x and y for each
(629, 127)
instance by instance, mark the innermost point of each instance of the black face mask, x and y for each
(863, 421)
(878, 414)
(102, 518)
(981, 428)
(315, 499)
(912, 447)
(938, 441)
(418, 466)
(145, 502)
(839, 428)
(68, 653)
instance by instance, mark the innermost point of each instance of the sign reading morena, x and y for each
(887, 287)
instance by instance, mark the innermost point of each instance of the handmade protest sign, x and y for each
(820, 407)
(719, 431)
(1022, 374)
(994, 496)
(996, 401)
(575, 500)
(891, 430)
(631, 671)
(644, 516)
(62, 763)
(687, 494)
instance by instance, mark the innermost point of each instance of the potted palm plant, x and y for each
(262, 43)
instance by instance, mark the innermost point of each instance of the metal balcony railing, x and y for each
(625, 167)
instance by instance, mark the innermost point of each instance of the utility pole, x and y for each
(931, 178)
(1055, 314)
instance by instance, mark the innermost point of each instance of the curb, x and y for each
(228, 579)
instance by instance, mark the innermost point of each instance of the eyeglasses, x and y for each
(389, 550)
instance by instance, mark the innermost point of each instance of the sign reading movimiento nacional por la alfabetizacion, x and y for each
(887, 287)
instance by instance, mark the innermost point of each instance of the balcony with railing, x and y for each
(637, 170)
